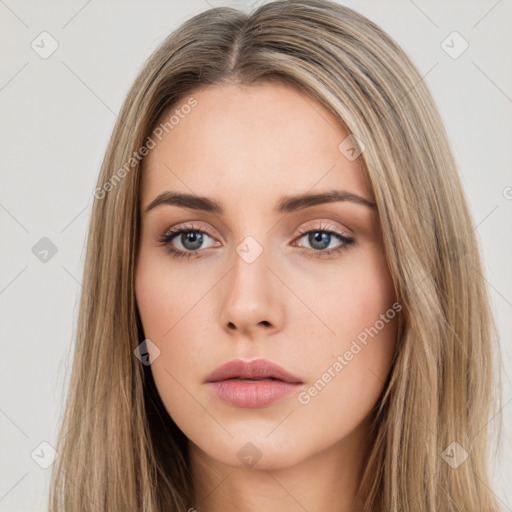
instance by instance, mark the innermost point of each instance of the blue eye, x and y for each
(322, 237)
(191, 239)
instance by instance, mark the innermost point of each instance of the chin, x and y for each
(256, 452)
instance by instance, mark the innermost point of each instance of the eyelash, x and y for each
(166, 239)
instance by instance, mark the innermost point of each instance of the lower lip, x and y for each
(252, 394)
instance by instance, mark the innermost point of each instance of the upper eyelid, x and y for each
(322, 226)
(173, 232)
(187, 227)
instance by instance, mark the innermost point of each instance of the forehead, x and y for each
(244, 141)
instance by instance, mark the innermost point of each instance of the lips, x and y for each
(254, 384)
(258, 369)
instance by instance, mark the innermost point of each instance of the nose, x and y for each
(253, 301)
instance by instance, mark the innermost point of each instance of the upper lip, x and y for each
(256, 369)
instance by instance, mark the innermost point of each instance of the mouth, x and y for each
(252, 371)
(251, 380)
(253, 384)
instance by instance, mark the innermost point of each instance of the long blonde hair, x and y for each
(118, 448)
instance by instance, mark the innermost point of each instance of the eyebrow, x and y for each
(286, 204)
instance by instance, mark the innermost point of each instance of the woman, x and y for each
(283, 303)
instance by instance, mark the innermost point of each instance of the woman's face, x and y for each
(301, 283)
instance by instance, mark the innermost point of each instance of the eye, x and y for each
(191, 239)
(189, 236)
(322, 237)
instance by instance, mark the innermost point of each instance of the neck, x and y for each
(326, 480)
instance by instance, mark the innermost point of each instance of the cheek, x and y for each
(351, 365)
(172, 307)
(354, 299)
(162, 293)
(166, 308)
(156, 308)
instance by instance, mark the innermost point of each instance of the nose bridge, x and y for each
(249, 281)
(251, 298)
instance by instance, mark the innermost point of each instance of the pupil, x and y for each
(319, 237)
(192, 241)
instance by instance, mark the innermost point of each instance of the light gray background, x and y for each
(56, 118)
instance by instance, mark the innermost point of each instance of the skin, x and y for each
(246, 147)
